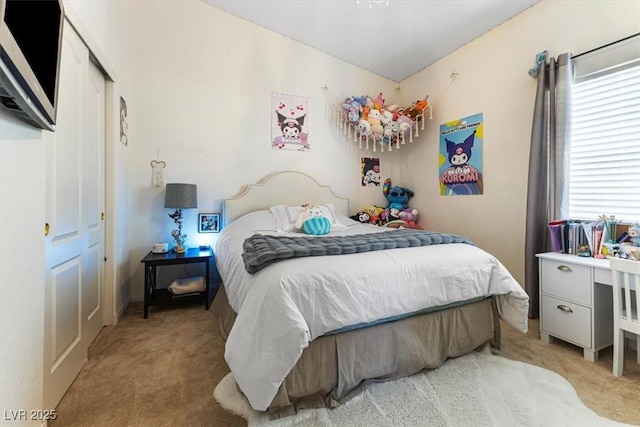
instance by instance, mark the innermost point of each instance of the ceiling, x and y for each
(392, 38)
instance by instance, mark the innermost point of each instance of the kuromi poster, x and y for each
(290, 122)
(461, 156)
(370, 171)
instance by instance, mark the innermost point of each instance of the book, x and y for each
(557, 231)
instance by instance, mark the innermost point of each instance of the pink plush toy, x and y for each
(378, 102)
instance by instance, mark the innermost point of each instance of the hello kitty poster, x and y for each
(289, 122)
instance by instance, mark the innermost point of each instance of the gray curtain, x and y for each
(548, 157)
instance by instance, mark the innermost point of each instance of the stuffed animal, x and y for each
(374, 121)
(378, 102)
(386, 117)
(391, 129)
(417, 108)
(404, 123)
(312, 221)
(361, 216)
(374, 214)
(634, 234)
(398, 197)
(353, 109)
(389, 215)
(368, 102)
(541, 57)
(410, 216)
(365, 113)
(405, 218)
(364, 128)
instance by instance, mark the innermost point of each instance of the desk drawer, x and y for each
(566, 320)
(565, 280)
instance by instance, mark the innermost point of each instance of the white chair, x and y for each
(626, 278)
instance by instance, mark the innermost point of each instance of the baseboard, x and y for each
(120, 312)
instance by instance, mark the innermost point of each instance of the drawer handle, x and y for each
(565, 308)
(564, 268)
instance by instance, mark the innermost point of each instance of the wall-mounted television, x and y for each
(30, 45)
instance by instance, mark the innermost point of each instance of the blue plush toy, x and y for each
(541, 57)
(398, 197)
(634, 234)
(313, 221)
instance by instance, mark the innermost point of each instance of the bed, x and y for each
(314, 331)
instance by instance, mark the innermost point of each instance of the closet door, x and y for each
(75, 202)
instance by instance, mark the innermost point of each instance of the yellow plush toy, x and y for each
(374, 214)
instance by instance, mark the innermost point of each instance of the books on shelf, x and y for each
(557, 232)
(574, 236)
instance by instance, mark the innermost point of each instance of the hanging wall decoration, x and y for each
(370, 171)
(124, 126)
(372, 123)
(461, 156)
(289, 122)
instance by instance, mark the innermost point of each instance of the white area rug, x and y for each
(478, 389)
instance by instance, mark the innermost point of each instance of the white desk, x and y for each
(576, 301)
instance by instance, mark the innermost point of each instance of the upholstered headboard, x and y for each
(281, 188)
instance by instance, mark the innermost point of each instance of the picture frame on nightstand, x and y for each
(209, 223)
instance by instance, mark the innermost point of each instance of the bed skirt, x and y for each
(334, 368)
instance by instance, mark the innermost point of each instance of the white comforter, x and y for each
(284, 306)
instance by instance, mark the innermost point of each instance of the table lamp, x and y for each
(178, 197)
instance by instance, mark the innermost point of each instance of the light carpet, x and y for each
(478, 389)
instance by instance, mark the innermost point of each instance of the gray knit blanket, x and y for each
(262, 250)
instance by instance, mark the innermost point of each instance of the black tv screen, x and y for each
(35, 25)
(30, 45)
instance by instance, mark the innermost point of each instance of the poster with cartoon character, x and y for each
(370, 171)
(290, 122)
(461, 156)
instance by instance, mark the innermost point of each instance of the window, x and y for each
(604, 164)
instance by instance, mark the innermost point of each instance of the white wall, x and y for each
(202, 103)
(22, 207)
(493, 79)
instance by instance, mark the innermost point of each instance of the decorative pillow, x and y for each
(286, 217)
(312, 221)
(317, 225)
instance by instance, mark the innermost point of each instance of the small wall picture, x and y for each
(370, 171)
(208, 223)
(124, 126)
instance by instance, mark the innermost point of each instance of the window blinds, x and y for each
(604, 166)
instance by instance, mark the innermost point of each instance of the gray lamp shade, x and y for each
(181, 196)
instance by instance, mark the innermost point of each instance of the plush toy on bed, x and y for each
(361, 216)
(398, 214)
(374, 214)
(312, 221)
(398, 197)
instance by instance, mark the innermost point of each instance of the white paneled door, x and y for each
(75, 222)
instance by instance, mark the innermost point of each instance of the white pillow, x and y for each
(286, 217)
